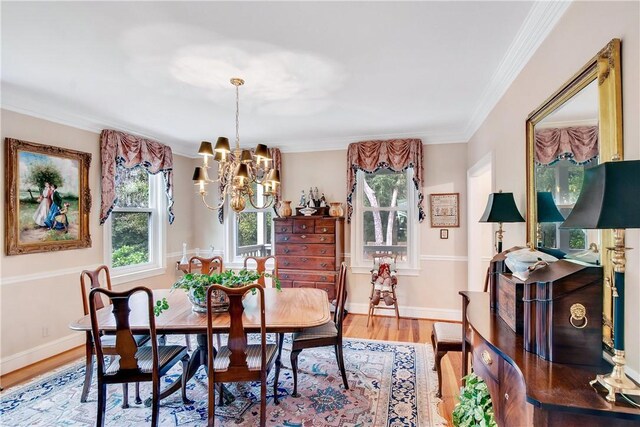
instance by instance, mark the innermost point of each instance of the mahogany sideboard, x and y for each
(527, 390)
(310, 250)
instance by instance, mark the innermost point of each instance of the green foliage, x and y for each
(128, 255)
(198, 283)
(577, 239)
(161, 305)
(474, 407)
(132, 187)
(41, 172)
(248, 229)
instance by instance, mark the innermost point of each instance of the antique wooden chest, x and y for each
(309, 251)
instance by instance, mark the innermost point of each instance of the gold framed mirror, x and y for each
(577, 127)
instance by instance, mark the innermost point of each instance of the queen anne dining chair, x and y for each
(261, 266)
(328, 334)
(132, 363)
(107, 341)
(238, 360)
(207, 265)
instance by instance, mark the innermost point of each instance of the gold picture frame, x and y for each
(604, 68)
(444, 210)
(47, 196)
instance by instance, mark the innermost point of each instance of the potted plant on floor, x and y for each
(474, 407)
(196, 285)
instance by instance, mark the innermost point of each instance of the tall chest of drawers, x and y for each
(309, 251)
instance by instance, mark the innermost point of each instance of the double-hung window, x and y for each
(250, 232)
(134, 232)
(385, 219)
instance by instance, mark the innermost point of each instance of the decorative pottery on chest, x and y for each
(284, 208)
(336, 209)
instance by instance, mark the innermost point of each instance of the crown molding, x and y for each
(542, 18)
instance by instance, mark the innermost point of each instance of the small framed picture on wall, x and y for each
(444, 233)
(445, 210)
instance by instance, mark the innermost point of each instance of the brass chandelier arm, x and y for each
(267, 205)
(208, 206)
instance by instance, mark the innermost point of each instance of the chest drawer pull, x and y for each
(305, 247)
(286, 250)
(285, 276)
(283, 229)
(323, 251)
(324, 229)
(285, 238)
(578, 314)
(322, 239)
(506, 396)
(323, 265)
(285, 262)
(303, 226)
(304, 236)
(486, 357)
(323, 278)
(304, 259)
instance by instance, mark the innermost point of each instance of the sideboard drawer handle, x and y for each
(323, 251)
(304, 259)
(283, 229)
(285, 238)
(286, 251)
(486, 358)
(322, 239)
(303, 226)
(305, 247)
(285, 276)
(323, 265)
(285, 262)
(303, 236)
(578, 314)
(324, 229)
(323, 278)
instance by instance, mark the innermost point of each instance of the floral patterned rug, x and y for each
(390, 384)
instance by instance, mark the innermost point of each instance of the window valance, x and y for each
(129, 151)
(394, 154)
(579, 144)
(276, 158)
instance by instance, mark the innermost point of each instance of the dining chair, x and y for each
(261, 266)
(207, 265)
(238, 360)
(324, 335)
(107, 341)
(133, 363)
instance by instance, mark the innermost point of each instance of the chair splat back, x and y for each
(207, 265)
(261, 266)
(94, 282)
(237, 342)
(126, 347)
(341, 298)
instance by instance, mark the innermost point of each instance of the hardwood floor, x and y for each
(355, 326)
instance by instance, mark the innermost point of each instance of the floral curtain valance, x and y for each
(394, 154)
(579, 144)
(129, 151)
(276, 158)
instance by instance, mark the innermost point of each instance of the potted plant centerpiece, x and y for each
(196, 285)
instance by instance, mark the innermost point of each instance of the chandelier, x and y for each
(238, 170)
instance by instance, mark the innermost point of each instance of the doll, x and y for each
(383, 280)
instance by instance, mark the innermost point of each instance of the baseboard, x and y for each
(41, 352)
(413, 312)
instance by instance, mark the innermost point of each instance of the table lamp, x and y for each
(547, 212)
(610, 199)
(501, 207)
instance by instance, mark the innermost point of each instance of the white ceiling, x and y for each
(319, 75)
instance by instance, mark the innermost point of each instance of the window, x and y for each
(250, 232)
(385, 218)
(133, 233)
(564, 180)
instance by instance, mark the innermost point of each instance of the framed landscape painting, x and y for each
(47, 198)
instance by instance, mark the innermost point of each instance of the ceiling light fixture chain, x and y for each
(238, 170)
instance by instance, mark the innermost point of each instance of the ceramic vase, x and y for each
(284, 209)
(335, 209)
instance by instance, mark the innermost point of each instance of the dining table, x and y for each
(286, 311)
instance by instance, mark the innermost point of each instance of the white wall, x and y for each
(42, 290)
(583, 30)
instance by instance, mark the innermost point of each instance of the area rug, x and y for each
(390, 384)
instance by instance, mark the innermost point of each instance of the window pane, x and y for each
(254, 233)
(385, 232)
(130, 238)
(385, 188)
(132, 188)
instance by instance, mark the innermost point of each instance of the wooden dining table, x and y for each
(287, 310)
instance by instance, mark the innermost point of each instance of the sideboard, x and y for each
(527, 390)
(310, 251)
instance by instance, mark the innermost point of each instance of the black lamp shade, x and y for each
(206, 149)
(262, 151)
(547, 209)
(245, 157)
(610, 197)
(501, 207)
(222, 145)
(200, 174)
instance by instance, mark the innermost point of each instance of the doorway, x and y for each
(479, 235)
